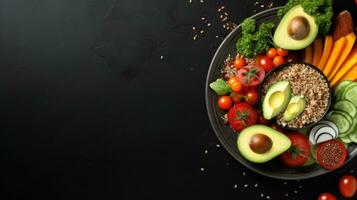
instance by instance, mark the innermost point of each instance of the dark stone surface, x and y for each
(89, 110)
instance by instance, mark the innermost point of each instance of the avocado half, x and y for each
(276, 99)
(280, 143)
(295, 107)
(284, 40)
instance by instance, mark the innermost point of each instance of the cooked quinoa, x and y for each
(307, 82)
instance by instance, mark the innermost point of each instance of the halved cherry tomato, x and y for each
(278, 60)
(224, 102)
(272, 53)
(242, 115)
(299, 151)
(251, 75)
(282, 52)
(348, 186)
(252, 97)
(264, 62)
(239, 63)
(326, 196)
(331, 154)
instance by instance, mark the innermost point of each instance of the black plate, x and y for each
(225, 134)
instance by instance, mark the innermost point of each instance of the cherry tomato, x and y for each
(236, 97)
(252, 97)
(299, 151)
(272, 53)
(264, 62)
(331, 154)
(279, 60)
(242, 115)
(239, 63)
(224, 102)
(251, 75)
(291, 57)
(232, 80)
(236, 86)
(326, 196)
(282, 52)
(348, 186)
(277, 128)
(262, 120)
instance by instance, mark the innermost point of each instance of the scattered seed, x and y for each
(201, 31)
(194, 37)
(222, 7)
(300, 186)
(193, 28)
(209, 24)
(245, 185)
(262, 6)
(217, 36)
(224, 19)
(268, 197)
(189, 1)
(295, 191)
(235, 186)
(217, 145)
(244, 173)
(203, 18)
(286, 194)
(256, 185)
(202, 169)
(201, 1)
(261, 195)
(225, 13)
(206, 151)
(221, 16)
(161, 57)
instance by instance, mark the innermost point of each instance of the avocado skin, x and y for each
(280, 143)
(281, 36)
(301, 103)
(285, 88)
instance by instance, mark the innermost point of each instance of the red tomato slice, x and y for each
(331, 154)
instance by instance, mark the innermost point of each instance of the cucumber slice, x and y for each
(353, 134)
(351, 94)
(345, 139)
(340, 88)
(346, 106)
(340, 120)
(350, 130)
(353, 137)
(345, 114)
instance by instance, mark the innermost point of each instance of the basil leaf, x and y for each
(220, 87)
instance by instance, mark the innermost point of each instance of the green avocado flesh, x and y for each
(276, 99)
(284, 40)
(280, 143)
(295, 107)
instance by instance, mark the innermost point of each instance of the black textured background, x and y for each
(90, 110)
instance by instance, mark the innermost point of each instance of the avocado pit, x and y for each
(260, 143)
(298, 28)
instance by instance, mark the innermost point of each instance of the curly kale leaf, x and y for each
(254, 41)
